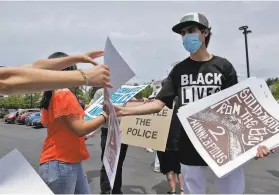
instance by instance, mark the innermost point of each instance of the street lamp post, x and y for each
(245, 32)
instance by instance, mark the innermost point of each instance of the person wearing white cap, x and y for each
(199, 75)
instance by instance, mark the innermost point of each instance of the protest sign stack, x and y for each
(227, 127)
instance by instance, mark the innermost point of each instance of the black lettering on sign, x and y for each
(143, 133)
(154, 135)
(143, 122)
(129, 130)
(164, 113)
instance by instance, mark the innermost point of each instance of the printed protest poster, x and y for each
(19, 177)
(226, 128)
(147, 131)
(120, 97)
(113, 143)
(120, 71)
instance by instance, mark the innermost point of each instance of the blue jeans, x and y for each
(64, 178)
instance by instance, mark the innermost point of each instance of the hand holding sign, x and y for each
(98, 76)
(263, 151)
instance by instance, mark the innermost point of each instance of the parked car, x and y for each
(10, 118)
(21, 119)
(21, 112)
(37, 123)
(4, 112)
(31, 117)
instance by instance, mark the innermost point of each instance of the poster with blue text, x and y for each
(120, 97)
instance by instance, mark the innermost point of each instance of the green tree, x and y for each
(275, 90)
(32, 101)
(271, 81)
(92, 92)
(145, 93)
(12, 102)
(80, 95)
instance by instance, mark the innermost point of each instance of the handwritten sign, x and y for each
(120, 97)
(226, 128)
(147, 131)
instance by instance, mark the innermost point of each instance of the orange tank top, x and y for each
(61, 143)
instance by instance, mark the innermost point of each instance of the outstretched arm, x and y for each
(61, 63)
(19, 80)
(147, 108)
(81, 127)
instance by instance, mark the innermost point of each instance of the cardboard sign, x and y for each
(226, 128)
(120, 97)
(147, 131)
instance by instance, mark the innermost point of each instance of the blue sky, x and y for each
(141, 31)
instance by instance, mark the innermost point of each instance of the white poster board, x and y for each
(227, 127)
(17, 176)
(120, 72)
(113, 142)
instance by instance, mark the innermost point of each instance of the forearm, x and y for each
(55, 63)
(90, 126)
(21, 80)
(144, 109)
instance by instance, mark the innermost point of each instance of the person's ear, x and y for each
(206, 33)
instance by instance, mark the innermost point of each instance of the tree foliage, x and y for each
(275, 90)
(21, 101)
(271, 81)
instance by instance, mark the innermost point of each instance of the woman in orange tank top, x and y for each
(64, 148)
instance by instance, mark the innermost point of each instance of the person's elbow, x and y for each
(158, 106)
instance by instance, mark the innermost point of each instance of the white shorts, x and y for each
(194, 181)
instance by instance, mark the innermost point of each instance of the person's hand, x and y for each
(98, 76)
(145, 100)
(263, 151)
(118, 111)
(90, 56)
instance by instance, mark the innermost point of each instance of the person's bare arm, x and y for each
(81, 127)
(61, 63)
(19, 80)
(147, 108)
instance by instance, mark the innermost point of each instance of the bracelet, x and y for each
(84, 76)
(104, 117)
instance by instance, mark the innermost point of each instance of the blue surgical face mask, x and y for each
(191, 42)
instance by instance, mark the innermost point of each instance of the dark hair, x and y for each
(48, 94)
(207, 39)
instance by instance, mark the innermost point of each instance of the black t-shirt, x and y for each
(190, 81)
(175, 128)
